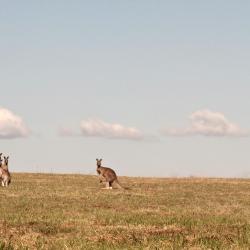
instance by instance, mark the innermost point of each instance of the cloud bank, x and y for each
(99, 128)
(208, 123)
(11, 125)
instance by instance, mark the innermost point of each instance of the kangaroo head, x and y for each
(6, 160)
(99, 163)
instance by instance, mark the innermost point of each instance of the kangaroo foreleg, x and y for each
(101, 178)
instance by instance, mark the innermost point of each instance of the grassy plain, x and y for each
(47, 211)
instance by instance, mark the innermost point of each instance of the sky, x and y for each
(155, 88)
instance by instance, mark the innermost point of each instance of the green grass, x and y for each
(45, 211)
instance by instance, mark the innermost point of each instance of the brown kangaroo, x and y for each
(5, 176)
(1, 159)
(107, 175)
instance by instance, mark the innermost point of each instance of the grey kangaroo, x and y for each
(1, 159)
(4, 171)
(107, 175)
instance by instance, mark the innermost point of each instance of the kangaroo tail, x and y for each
(118, 184)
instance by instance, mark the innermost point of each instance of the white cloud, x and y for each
(99, 128)
(208, 123)
(11, 125)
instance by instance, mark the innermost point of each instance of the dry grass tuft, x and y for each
(46, 211)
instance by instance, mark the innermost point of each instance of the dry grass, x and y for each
(40, 211)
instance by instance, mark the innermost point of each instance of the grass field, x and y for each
(46, 211)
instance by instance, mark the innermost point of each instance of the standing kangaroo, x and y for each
(1, 159)
(107, 174)
(4, 171)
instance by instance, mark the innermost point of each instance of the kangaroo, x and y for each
(4, 172)
(1, 170)
(107, 175)
(1, 159)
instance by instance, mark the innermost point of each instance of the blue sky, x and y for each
(173, 75)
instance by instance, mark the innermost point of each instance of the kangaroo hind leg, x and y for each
(106, 185)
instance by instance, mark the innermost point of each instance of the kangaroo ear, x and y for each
(7, 157)
(96, 159)
(100, 159)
